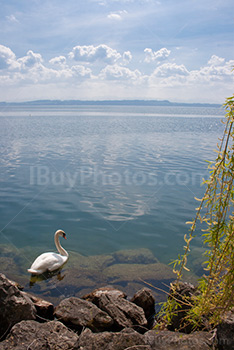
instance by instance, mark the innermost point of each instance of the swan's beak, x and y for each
(64, 236)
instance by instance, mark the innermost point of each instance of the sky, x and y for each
(177, 50)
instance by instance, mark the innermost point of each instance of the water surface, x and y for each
(111, 177)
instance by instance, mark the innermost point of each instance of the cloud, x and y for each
(159, 55)
(92, 53)
(216, 61)
(116, 72)
(81, 71)
(169, 69)
(30, 60)
(127, 57)
(7, 58)
(12, 19)
(117, 15)
(113, 78)
(215, 70)
(60, 61)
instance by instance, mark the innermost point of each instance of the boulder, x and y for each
(14, 306)
(126, 339)
(183, 293)
(33, 335)
(45, 309)
(145, 299)
(225, 332)
(167, 340)
(78, 313)
(124, 313)
(95, 295)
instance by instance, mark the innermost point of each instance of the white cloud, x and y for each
(30, 60)
(60, 61)
(92, 53)
(117, 15)
(115, 71)
(169, 69)
(81, 71)
(159, 55)
(215, 70)
(127, 57)
(32, 73)
(12, 19)
(216, 61)
(7, 57)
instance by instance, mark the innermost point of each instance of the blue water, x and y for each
(111, 177)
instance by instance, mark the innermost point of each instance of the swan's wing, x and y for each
(48, 261)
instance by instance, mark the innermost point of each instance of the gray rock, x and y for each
(14, 306)
(78, 313)
(33, 335)
(183, 293)
(124, 313)
(225, 332)
(167, 340)
(145, 299)
(95, 295)
(45, 309)
(126, 339)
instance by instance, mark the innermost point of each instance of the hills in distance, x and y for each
(107, 102)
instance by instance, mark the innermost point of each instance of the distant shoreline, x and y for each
(164, 103)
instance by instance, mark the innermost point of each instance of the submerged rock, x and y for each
(14, 306)
(134, 256)
(32, 335)
(123, 273)
(93, 262)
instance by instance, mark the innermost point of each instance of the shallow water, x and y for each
(111, 177)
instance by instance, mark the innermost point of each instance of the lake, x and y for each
(112, 177)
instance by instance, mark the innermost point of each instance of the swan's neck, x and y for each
(60, 249)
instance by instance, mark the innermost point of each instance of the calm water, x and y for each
(112, 177)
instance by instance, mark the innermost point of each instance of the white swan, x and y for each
(50, 261)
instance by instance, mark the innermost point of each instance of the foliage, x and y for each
(216, 211)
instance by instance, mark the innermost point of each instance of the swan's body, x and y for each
(50, 261)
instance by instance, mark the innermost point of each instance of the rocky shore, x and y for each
(104, 319)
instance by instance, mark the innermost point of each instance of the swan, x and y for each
(50, 261)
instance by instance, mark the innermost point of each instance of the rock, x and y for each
(78, 313)
(95, 295)
(126, 339)
(225, 332)
(45, 309)
(167, 340)
(123, 273)
(14, 306)
(145, 299)
(183, 293)
(33, 335)
(93, 262)
(123, 312)
(134, 256)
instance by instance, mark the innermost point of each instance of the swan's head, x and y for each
(61, 233)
